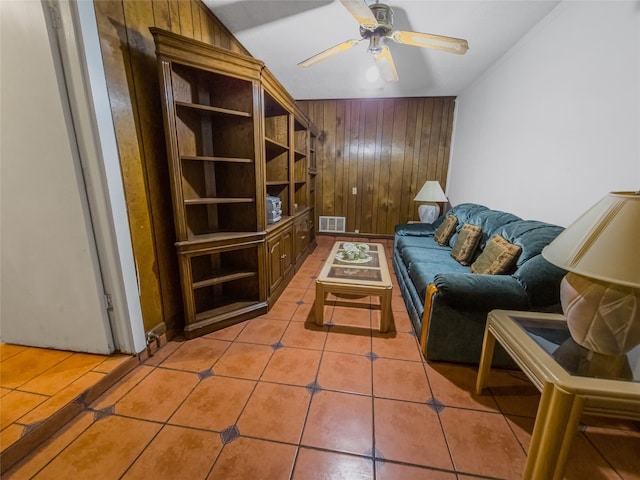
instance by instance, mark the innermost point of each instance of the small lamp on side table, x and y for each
(600, 295)
(431, 193)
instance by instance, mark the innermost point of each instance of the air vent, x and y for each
(332, 224)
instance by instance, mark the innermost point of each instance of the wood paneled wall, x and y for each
(128, 52)
(386, 149)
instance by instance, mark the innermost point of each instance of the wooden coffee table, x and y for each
(360, 277)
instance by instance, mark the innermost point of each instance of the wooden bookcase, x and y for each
(311, 180)
(232, 138)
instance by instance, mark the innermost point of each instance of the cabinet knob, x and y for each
(283, 256)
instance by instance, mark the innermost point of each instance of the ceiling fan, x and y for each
(376, 25)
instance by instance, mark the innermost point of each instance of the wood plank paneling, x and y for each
(128, 53)
(387, 149)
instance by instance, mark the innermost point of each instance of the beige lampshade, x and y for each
(431, 191)
(600, 295)
(604, 243)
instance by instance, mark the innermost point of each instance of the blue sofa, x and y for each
(458, 301)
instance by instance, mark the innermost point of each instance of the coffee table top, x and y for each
(370, 270)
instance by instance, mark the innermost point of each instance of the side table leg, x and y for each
(569, 434)
(551, 435)
(319, 304)
(538, 428)
(486, 358)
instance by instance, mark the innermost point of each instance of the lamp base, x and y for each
(602, 317)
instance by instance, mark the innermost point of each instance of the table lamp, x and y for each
(431, 192)
(600, 295)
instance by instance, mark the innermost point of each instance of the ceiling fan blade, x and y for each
(361, 12)
(385, 65)
(446, 44)
(329, 52)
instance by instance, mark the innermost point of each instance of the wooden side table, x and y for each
(572, 379)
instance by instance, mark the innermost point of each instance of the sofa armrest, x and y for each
(416, 229)
(481, 292)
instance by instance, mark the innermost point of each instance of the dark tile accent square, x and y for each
(435, 404)
(104, 413)
(313, 388)
(229, 434)
(205, 374)
(371, 356)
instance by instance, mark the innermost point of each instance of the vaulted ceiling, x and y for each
(284, 32)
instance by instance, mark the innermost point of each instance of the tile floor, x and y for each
(276, 397)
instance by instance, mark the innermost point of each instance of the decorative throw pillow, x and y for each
(466, 243)
(445, 230)
(497, 257)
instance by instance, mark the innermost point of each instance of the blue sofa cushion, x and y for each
(409, 243)
(532, 236)
(422, 271)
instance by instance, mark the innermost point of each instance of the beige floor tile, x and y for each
(293, 366)
(401, 346)
(243, 360)
(102, 451)
(410, 433)
(62, 374)
(453, 385)
(275, 412)
(52, 447)
(400, 380)
(62, 399)
(28, 364)
(304, 335)
(177, 452)
(321, 465)
(16, 404)
(158, 395)
(246, 458)
(339, 421)
(345, 372)
(215, 404)
(482, 443)
(395, 471)
(196, 355)
(265, 331)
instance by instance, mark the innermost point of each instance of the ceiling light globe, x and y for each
(372, 74)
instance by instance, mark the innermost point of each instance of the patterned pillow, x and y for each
(466, 243)
(497, 257)
(445, 230)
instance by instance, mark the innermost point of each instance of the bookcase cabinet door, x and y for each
(280, 261)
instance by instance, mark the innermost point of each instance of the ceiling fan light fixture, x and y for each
(373, 74)
(376, 25)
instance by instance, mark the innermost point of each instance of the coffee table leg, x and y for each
(385, 313)
(319, 304)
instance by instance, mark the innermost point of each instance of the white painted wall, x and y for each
(555, 124)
